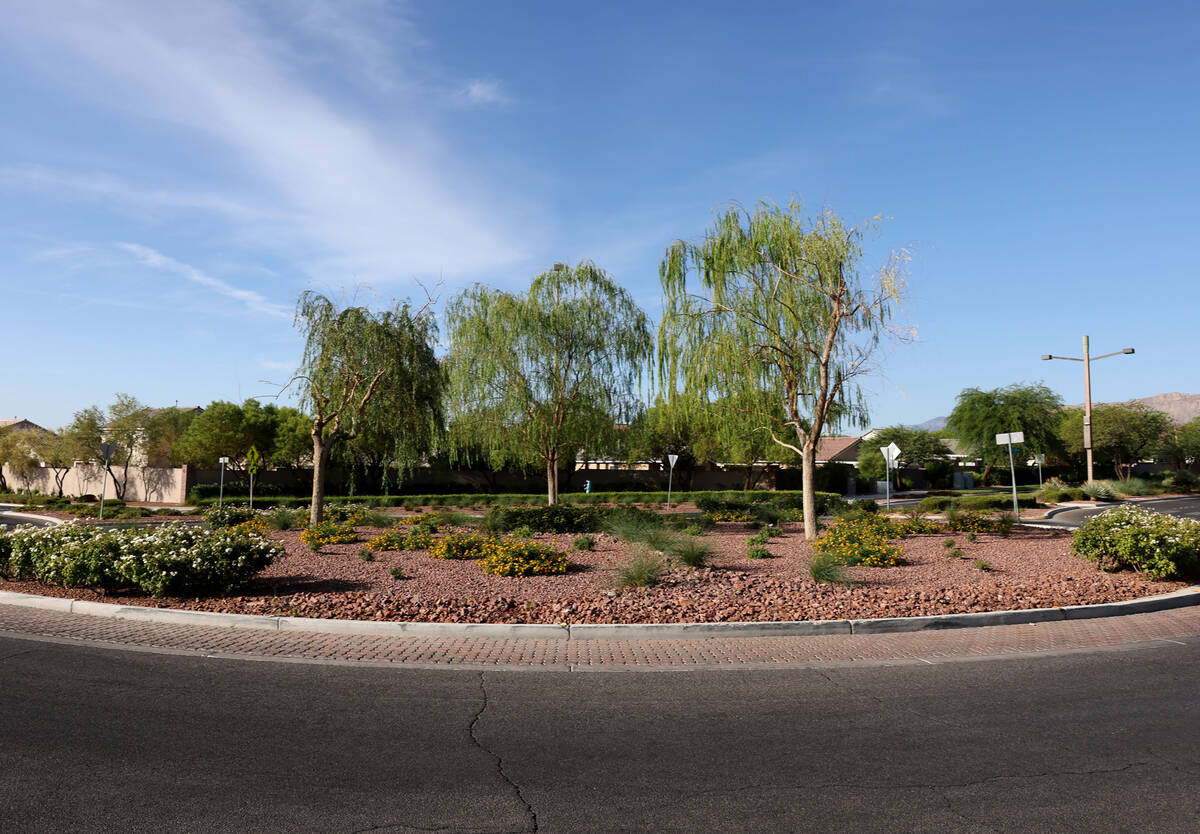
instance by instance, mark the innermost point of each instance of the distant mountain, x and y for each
(936, 424)
(1182, 408)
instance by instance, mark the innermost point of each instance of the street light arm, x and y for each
(1068, 358)
(1114, 353)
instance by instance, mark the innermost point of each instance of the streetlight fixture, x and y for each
(1087, 390)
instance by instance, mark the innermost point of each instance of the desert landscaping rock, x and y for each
(1031, 569)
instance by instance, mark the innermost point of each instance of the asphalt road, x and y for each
(95, 739)
(7, 520)
(1183, 507)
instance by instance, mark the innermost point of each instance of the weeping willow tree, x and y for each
(770, 312)
(537, 376)
(366, 372)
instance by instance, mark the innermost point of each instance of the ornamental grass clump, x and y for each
(317, 536)
(828, 571)
(690, 551)
(642, 570)
(860, 541)
(1134, 538)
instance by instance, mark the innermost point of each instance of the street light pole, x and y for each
(1087, 395)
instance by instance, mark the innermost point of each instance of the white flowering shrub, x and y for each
(169, 560)
(1135, 538)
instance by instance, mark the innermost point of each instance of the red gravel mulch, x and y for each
(1031, 569)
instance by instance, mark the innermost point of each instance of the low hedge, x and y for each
(994, 501)
(826, 501)
(172, 559)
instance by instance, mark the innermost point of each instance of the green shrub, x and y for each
(630, 524)
(995, 502)
(1181, 481)
(397, 572)
(968, 521)
(641, 571)
(230, 515)
(861, 540)
(757, 551)
(553, 518)
(1135, 538)
(282, 518)
(317, 536)
(462, 546)
(522, 532)
(936, 503)
(168, 559)
(760, 537)
(518, 558)
(983, 565)
(584, 543)
(917, 525)
(366, 554)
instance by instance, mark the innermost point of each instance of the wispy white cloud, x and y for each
(482, 92)
(251, 299)
(379, 203)
(110, 188)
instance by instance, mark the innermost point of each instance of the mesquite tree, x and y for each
(536, 376)
(363, 368)
(778, 320)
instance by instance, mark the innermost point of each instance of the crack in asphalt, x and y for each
(15, 654)
(499, 761)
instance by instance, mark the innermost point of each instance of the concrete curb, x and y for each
(602, 631)
(15, 514)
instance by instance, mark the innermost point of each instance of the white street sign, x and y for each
(891, 453)
(671, 460)
(1010, 437)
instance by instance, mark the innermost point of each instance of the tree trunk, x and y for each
(748, 484)
(808, 474)
(320, 463)
(552, 478)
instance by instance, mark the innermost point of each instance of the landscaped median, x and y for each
(626, 566)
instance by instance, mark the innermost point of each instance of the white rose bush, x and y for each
(1134, 538)
(170, 560)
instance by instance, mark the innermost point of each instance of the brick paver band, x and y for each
(720, 652)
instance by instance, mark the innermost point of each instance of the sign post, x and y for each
(107, 450)
(221, 493)
(252, 459)
(1009, 439)
(670, 476)
(891, 456)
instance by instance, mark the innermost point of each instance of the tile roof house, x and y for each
(840, 449)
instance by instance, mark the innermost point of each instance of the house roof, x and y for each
(842, 448)
(21, 424)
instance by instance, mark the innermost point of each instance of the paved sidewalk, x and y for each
(607, 654)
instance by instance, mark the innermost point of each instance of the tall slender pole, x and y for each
(1087, 408)
(221, 493)
(103, 484)
(1012, 468)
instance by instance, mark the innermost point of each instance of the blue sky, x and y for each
(173, 175)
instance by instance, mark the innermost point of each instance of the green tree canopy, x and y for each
(980, 415)
(1181, 445)
(1122, 434)
(917, 448)
(777, 319)
(537, 376)
(364, 370)
(164, 428)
